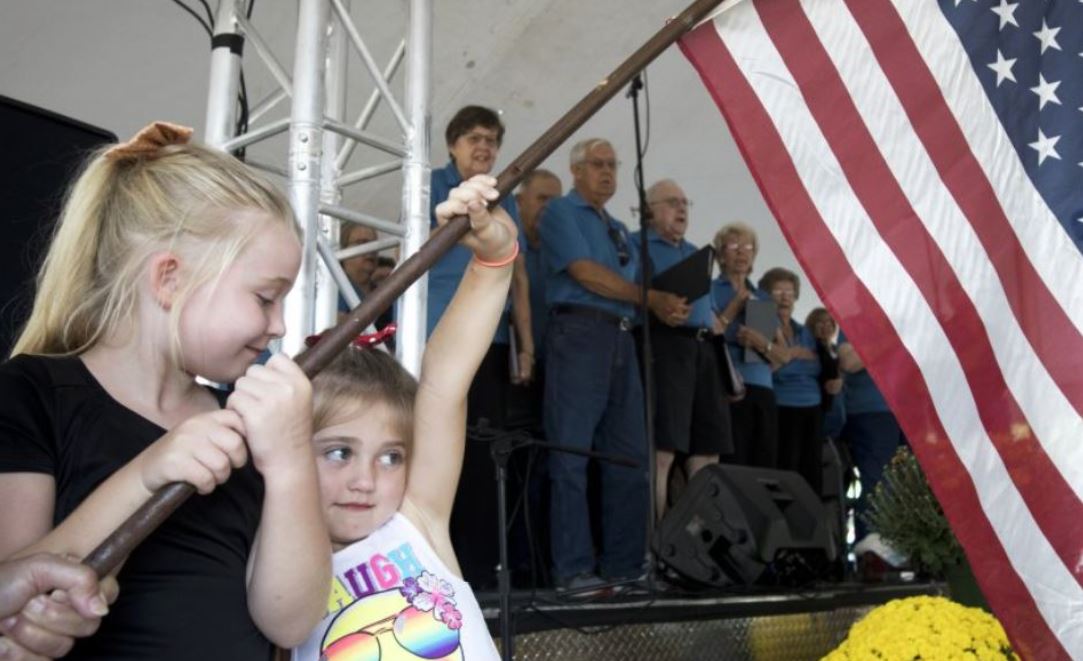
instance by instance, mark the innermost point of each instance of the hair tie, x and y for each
(149, 142)
(364, 340)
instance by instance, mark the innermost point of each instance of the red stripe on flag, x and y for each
(849, 300)
(1050, 498)
(1047, 327)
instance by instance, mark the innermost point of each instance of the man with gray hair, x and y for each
(691, 419)
(593, 396)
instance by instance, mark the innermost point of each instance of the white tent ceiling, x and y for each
(120, 63)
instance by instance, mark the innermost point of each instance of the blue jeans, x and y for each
(594, 399)
(873, 439)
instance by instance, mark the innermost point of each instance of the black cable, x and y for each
(203, 23)
(207, 8)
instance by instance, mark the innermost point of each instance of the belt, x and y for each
(588, 312)
(697, 334)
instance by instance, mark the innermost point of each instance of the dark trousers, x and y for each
(801, 443)
(873, 439)
(755, 429)
(593, 399)
(473, 526)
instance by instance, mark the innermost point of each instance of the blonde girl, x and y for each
(169, 261)
(389, 451)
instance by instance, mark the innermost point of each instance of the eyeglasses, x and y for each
(747, 247)
(429, 627)
(779, 291)
(474, 139)
(623, 256)
(674, 202)
(602, 163)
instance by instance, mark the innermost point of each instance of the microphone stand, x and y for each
(501, 446)
(647, 356)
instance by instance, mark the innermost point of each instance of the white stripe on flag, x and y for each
(1056, 592)
(1057, 426)
(1052, 252)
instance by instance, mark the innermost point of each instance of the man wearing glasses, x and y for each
(691, 416)
(593, 396)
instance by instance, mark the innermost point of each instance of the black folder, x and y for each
(763, 317)
(689, 278)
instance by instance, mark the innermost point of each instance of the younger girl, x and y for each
(389, 451)
(169, 261)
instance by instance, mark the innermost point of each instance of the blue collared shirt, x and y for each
(860, 391)
(797, 383)
(572, 230)
(445, 275)
(754, 373)
(664, 256)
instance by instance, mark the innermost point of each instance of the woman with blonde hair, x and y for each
(169, 261)
(755, 416)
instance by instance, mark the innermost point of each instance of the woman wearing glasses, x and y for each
(755, 416)
(473, 138)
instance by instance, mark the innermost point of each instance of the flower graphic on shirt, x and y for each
(431, 594)
(450, 615)
(410, 588)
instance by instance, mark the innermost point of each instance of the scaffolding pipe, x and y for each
(369, 173)
(415, 183)
(265, 104)
(255, 135)
(328, 287)
(364, 137)
(366, 248)
(305, 155)
(370, 63)
(359, 218)
(278, 72)
(371, 104)
(226, 48)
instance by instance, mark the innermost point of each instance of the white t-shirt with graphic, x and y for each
(392, 598)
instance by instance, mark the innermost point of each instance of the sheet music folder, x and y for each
(689, 278)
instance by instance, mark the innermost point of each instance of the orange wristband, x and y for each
(504, 262)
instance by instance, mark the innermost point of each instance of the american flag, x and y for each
(925, 163)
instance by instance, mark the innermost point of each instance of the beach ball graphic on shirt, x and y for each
(386, 627)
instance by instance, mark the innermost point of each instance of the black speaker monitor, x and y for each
(737, 524)
(42, 151)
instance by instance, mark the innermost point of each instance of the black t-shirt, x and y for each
(182, 592)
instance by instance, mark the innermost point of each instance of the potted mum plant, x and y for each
(903, 509)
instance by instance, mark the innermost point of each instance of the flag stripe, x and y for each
(848, 297)
(1055, 340)
(1048, 496)
(1048, 248)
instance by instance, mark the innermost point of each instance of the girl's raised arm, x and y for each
(456, 349)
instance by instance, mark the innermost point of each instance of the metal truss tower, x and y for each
(321, 143)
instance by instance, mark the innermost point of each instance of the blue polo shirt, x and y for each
(860, 391)
(664, 256)
(797, 383)
(754, 373)
(572, 230)
(539, 317)
(445, 275)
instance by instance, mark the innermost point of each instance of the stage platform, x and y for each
(753, 624)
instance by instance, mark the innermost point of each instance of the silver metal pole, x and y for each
(306, 143)
(415, 185)
(221, 120)
(327, 288)
(370, 105)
